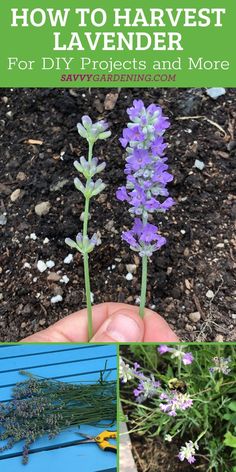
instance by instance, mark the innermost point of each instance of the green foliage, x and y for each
(211, 420)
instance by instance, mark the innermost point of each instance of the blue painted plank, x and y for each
(9, 365)
(27, 349)
(81, 363)
(85, 458)
(78, 362)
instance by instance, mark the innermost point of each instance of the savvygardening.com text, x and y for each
(118, 78)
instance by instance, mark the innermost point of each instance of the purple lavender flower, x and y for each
(127, 372)
(163, 349)
(147, 388)
(186, 357)
(188, 452)
(221, 365)
(175, 401)
(137, 160)
(143, 238)
(158, 146)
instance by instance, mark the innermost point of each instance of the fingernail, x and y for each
(123, 328)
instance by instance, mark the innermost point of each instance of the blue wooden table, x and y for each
(68, 363)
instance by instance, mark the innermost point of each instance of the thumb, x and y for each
(124, 325)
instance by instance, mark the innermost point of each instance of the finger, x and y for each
(124, 325)
(72, 328)
(157, 329)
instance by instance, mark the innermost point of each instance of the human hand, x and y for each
(112, 322)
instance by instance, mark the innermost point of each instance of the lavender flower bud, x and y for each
(93, 132)
(83, 244)
(87, 122)
(82, 131)
(98, 188)
(79, 185)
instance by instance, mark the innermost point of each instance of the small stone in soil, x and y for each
(189, 328)
(110, 225)
(3, 220)
(42, 322)
(41, 266)
(129, 276)
(15, 195)
(59, 185)
(33, 236)
(65, 279)
(215, 92)
(46, 241)
(42, 209)
(21, 176)
(26, 265)
(210, 294)
(53, 277)
(131, 268)
(199, 164)
(219, 338)
(68, 259)
(56, 299)
(57, 290)
(50, 264)
(195, 317)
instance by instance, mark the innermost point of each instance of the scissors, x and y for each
(101, 440)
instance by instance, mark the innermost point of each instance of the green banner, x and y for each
(117, 43)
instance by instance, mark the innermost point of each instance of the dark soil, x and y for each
(199, 255)
(154, 455)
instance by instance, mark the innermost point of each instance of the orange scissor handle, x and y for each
(102, 442)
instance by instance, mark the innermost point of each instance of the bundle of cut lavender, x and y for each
(46, 407)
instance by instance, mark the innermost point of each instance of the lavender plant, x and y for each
(46, 407)
(146, 182)
(89, 168)
(187, 398)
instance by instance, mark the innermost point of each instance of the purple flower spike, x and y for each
(146, 173)
(188, 452)
(188, 358)
(163, 349)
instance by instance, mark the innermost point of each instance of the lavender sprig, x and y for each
(146, 181)
(92, 132)
(188, 452)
